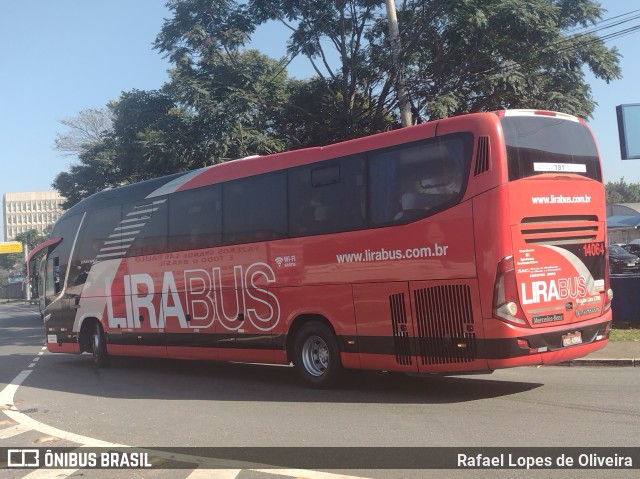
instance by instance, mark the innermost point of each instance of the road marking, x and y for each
(50, 474)
(303, 473)
(214, 474)
(27, 423)
(6, 405)
(53, 431)
(7, 394)
(13, 431)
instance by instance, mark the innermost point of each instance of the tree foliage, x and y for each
(622, 192)
(237, 98)
(225, 101)
(84, 130)
(150, 136)
(483, 55)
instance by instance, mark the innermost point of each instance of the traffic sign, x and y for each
(10, 247)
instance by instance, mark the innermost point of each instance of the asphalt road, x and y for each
(160, 403)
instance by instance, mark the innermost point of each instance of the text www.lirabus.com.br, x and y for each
(560, 200)
(383, 254)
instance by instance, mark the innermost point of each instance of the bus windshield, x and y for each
(547, 144)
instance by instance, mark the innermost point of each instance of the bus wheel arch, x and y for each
(312, 346)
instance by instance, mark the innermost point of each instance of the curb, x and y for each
(602, 362)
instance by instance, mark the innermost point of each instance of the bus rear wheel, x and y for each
(99, 346)
(316, 356)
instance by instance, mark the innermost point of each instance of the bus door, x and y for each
(247, 313)
(52, 290)
(447, 322)
(58, 314)
(386, 333)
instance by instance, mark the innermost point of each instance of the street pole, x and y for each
(27, 293)
(396, 49)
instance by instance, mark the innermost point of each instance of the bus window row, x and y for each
(382, 188)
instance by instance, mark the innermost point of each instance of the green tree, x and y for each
(481, 55)
(95, 171)
(205, 40)
(459, 56)
(150, 136)
(622, 192)
(15, 261)
(8, 261)
(224, 101)
(238, 98)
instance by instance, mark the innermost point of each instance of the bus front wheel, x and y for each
(316, 356)
(99, 346)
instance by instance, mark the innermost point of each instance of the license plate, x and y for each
(631, 264)
(572, 339)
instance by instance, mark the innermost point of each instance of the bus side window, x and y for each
(152, 238)
(53, 286)
(328, 197)
(195, 218)
(414, 181)
(255, 208)
(98, 228)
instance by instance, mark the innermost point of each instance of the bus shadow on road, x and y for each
(152, 378)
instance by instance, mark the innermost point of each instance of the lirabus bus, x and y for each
(461, 245)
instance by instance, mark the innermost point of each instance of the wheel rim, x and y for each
(96, 342)
(315, 355)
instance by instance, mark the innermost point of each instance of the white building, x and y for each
(31, 210)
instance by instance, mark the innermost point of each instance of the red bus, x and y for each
(460, 245)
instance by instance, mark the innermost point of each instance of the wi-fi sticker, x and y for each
(279, 260)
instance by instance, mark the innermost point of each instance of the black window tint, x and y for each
(195, 218)
(100, 238)
(327, 198)
(545, 144)
(67, 229)
(414, 181)
(255, 208)
(145, 223)
(327, 175)
(52, 279)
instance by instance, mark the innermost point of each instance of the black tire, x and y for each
(316, 356)
(99, 346)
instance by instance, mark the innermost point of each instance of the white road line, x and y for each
(7, 406)
(6, 395)
(59, 433)
(300, 473)
(27, 423)
(49, 474)
(13, 431)
(214, 474)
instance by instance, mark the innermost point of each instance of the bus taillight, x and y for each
(506, 304)
(607, 299)
(608, 293)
